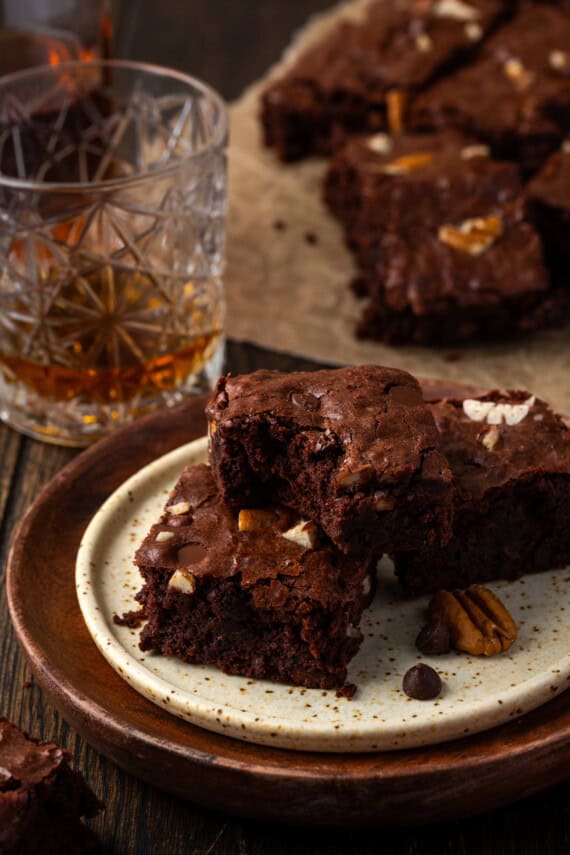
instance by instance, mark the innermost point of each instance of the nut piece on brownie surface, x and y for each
(478, 621)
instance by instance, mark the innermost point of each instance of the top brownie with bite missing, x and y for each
(354, 449)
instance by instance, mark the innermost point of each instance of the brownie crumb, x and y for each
(347, 691)
(131, 619)
(311, 238)
(279, 225)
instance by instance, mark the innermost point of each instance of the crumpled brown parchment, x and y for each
(289, 293)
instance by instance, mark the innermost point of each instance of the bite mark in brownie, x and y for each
(354, 449)
(342, 84)
(42, 800)
(516, 95)
(510, 458)
(260, 593)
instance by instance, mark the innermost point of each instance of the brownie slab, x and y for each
(342, 84)
(510, 458)
(380, 183)
(516, 95)
(260, 593)
(354, 449)
(444, 250)
(549, 197)
(42, 800)
(436, 287)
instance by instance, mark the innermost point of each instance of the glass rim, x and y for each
(125, 181)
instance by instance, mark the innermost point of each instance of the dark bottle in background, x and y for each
(38, 32)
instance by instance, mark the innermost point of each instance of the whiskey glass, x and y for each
(112, 226)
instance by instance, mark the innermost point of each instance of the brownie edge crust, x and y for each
(258, 595)
(354, 449)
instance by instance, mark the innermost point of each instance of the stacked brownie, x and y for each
(263, 565)
(447, 246)
(42, 800)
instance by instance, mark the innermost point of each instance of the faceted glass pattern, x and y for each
(112, 227)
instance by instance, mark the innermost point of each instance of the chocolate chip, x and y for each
(191, 554)
(311, 238)
(279, 225)
(434, 638)
(422, 683)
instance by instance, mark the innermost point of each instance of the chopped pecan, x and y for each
(254, 519)
(407, 163)
(472, 236)
(396, 103)
(478, 621)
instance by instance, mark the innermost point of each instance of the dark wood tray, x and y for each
(415, 786)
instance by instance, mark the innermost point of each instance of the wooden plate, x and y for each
(415, 786)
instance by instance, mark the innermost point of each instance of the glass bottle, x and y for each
(38, 32)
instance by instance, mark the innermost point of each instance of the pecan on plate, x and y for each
(478, 621)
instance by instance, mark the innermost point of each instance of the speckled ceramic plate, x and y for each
(478, 693)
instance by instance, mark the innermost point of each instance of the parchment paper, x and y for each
(291, 295)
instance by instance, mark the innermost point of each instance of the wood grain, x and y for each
(397, 788)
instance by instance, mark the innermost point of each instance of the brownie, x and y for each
(436, 288)
(549, 198)
(383, 183)
(261, 593)
(342, 84)
(510, 458)
(516, 95)
(407, 205)
(42, 800)
(354, 449)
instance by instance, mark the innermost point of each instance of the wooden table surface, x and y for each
(228, 43)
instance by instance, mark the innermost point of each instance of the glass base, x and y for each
(78, 425)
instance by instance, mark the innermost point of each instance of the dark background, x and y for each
(228, 43)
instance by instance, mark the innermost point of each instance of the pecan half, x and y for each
(478, 621)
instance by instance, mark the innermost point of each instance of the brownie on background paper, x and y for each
(481, 279)
(516, 95)
(444, 248)
(549, 199)
(510, 458)
(42, 800)
(354, 449)
(342, 84)
(259, 593)
(379, 183)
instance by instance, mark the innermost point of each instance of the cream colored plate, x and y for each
(478, 693)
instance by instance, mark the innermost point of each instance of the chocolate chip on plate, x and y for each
(434, 638)
(422, 683)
